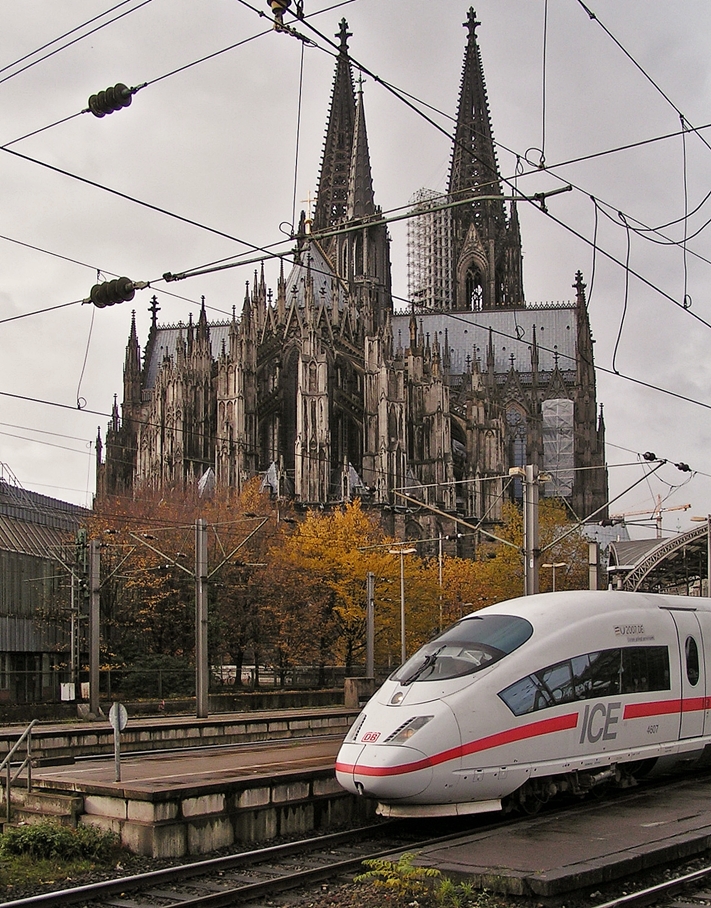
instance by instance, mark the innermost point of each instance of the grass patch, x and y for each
(44, 853)
(20, 873)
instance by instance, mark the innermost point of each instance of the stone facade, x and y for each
(328, 393)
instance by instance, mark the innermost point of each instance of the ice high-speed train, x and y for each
(559, 691)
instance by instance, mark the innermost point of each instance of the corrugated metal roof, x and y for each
(468, 336)
(625, 555)
(20, 504)
(32, 538)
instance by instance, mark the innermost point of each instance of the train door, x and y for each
(693, 673)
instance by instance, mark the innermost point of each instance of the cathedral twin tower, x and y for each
(326, 393)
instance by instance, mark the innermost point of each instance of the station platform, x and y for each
(598, 842)
(66, 741)
(198, 800)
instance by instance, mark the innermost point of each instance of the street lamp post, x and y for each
(557, 564)
(402, 552)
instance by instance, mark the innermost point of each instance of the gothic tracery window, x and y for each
(516, 434)
(474, 289)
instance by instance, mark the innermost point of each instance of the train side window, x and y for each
(692, 661)
(605, 671)
(645, 668)
(658, 668)
(582, 676)
(558, 681)
(634, 670)
(526, 696)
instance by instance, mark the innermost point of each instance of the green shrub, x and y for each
(407, 884)
(49, 839)
(400, 877)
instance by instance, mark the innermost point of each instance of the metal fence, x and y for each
(133, 683)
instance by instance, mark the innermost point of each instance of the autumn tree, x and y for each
(148, 590)
(497, 572)
(317, 581)
(317, 602)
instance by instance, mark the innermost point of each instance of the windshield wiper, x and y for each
(428, 663)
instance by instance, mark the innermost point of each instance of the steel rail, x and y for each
(184, 872)
(195, 869)
(652, 893)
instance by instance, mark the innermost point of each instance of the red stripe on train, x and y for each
(665, 707)
(532, 730)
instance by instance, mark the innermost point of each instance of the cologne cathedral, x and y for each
(325, 392)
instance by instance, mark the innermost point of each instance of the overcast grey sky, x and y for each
(216, 144)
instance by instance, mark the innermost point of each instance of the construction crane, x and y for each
(654, 514)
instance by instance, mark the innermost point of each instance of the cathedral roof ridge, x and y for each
(558, 304)
(178, 325)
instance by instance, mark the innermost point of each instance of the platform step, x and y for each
(31, 805)
(28, 816)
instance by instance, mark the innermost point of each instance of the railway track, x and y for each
(237, 878)
(695, 887)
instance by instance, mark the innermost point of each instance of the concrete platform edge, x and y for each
(581, 875)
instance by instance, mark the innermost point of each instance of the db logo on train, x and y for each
(370, 737)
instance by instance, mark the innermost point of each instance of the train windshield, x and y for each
(467, 647)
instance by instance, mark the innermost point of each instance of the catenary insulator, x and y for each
(114, 98)
(109, 293)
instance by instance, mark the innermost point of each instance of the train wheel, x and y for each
(530, 798)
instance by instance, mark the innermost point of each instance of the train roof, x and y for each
(572, 604)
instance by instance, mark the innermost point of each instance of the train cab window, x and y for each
(692, 661)
(469, 646)
(603, 673)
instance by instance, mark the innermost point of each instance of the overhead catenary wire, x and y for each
(595, 18)
(396, 91)
(70, 43)
(154, 81)
(508, 181)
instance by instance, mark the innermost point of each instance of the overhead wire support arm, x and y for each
(142, 540)
(238, 547)
(458, 520)
(538, 197)
(541, 197)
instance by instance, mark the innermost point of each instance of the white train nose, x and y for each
(391, 772)
(345, 764)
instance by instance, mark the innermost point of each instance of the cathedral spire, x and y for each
(281, 294)
(132, 371)
(486, 249)
(332, 195)
(474, 166)
(361, 202)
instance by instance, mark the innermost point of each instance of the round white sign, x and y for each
(118, 717)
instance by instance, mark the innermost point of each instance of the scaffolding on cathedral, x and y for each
(429, 252)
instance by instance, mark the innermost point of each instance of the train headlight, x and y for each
(406, 731)
(397, 697)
